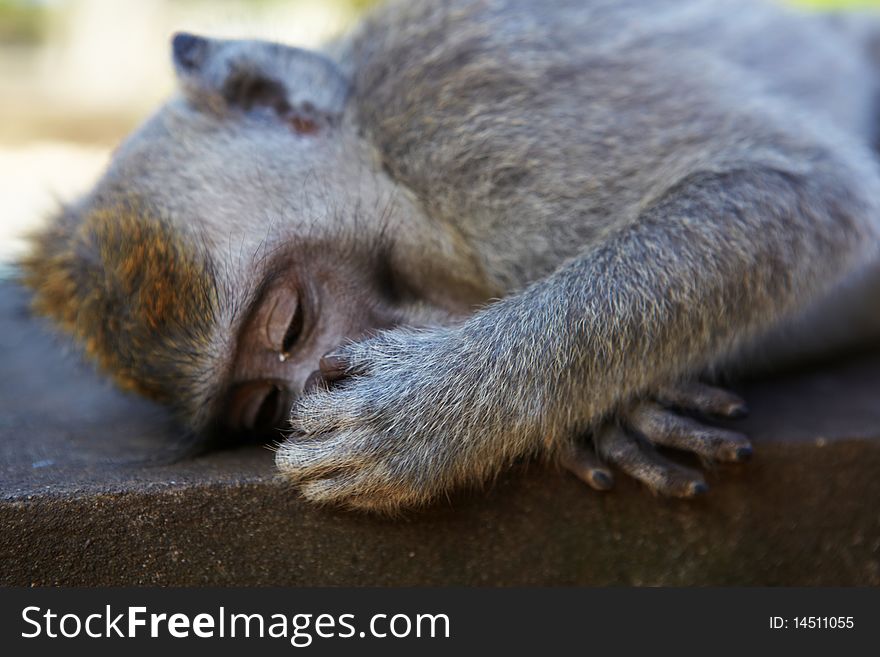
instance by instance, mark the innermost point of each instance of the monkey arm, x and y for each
(714, 261)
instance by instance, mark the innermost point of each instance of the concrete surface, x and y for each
(94, 490)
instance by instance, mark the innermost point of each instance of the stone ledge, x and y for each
(90, 496)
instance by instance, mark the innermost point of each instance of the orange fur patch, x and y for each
(140, 299)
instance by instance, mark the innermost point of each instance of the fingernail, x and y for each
(744, 453)
(738, 412)
(333, 366)
(699, 488)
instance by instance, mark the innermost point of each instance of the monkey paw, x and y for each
(377, 427)
(628, 443)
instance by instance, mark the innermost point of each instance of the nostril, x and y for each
(268, 415)
(258, 407)
(188, 50)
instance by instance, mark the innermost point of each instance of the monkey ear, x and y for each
(302, 87)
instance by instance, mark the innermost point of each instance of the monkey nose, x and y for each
(331, 369)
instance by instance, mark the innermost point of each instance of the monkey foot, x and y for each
(628, 443)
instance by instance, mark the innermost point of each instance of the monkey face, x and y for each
(305, 308)
(242, 233)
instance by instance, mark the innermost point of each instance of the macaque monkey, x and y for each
(475, 231)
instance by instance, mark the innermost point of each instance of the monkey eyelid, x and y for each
(294, 331)
(280, 316)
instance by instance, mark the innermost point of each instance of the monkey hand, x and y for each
(400, 419)
(628, 441)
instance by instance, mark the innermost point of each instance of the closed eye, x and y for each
(284, 320)
(294, 330)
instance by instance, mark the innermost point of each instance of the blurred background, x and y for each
(77, 75)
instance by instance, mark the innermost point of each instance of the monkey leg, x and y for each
(628, 443)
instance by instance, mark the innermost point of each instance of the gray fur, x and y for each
(652, 184)
(635, 191)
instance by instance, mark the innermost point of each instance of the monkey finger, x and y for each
(332, 489)
(704, 398)
(584, 464)
(658, 474)
(333, 367)
(370, 489)
(314, 382)
(663, 427)
(303, 458)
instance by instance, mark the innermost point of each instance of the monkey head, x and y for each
(238, 236)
